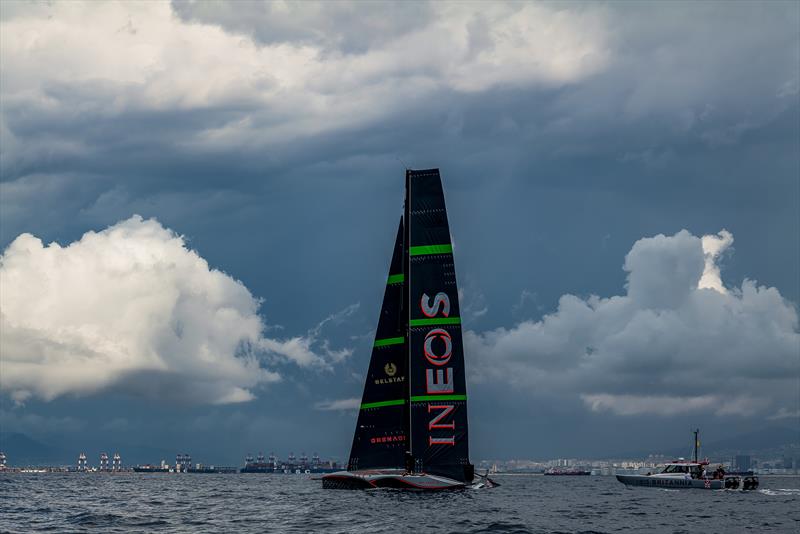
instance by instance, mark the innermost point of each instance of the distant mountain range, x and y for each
(764, 440)
(24, 450)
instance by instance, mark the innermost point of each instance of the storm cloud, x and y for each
(211, 80)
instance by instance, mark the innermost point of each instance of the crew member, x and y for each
(720, 472)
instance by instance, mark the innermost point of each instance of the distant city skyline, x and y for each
(785, 463)
(775, 443)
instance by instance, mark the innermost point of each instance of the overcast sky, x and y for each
(199, 201)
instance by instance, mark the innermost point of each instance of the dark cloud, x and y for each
(344, 27)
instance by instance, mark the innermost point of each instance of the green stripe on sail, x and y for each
(434, 321)
(389, 341)
(381, 404)
(430, 249)
(428, 398)
(396, 278)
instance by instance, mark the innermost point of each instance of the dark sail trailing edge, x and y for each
(437, 385)
(380, 437)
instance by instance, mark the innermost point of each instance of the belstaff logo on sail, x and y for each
(390, 369)
(390, 380)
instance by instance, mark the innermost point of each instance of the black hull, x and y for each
(390, 478)
(139, 470)
(256, 470)
(345, 484)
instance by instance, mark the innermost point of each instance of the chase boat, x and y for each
(684, 474)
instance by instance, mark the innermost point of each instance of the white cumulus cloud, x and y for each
(132, 309)
(713, 247)
(339, 405)
(678, 341)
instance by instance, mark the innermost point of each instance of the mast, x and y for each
(696, 444)
(406, 313)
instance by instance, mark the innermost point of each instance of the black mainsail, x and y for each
(380, 437)
(412, 423)
(437, 385)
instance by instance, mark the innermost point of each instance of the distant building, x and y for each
(103, 462)
(116, 462)
(790, 463)
(742, 462)
(183, 462)
(2, 461)
(82, 466)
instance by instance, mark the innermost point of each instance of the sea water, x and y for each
(163, 502)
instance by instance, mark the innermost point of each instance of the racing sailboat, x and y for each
(412, 424)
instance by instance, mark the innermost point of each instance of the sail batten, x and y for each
(435, 321)
(428, 398)
(380, 404)
(425, 250)
(389, 341)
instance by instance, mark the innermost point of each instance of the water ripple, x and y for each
(296, 504)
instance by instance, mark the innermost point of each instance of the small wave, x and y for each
(780, 491)
(149, 523)
(506, 527)
(92, 519)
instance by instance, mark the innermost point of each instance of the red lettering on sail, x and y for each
(440, 382)
(436, 421)
(444, 337)
(431, 310)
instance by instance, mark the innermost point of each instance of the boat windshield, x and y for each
(676, 469)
